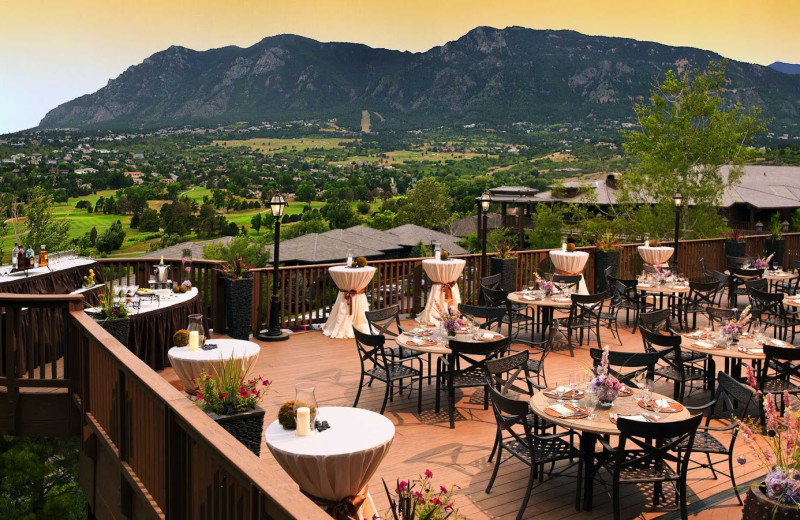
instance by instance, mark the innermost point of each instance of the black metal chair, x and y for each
(492, 316)
(538, 351)
(675, 367)
(704, 269)
(516, 440)
(465, 367)
(659, 322)
(782, 361)
(639, 362)
(736, 282)
(626, 296)
(654, 447)
(375, 365)
(568, 281)
(492, 281)
(724, 280)
(701, 295)
(769, 307)
(515, 315)
(790, 286)
(585, 315)
(717, 315)
(381, 321)
(730, 403)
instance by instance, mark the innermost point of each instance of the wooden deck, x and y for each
(459, 456)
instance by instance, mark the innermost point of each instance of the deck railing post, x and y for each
(416, 294)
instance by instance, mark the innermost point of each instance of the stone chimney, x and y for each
(611, 181)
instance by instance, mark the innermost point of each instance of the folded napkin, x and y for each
(561, 389)
(662, 403)
(487, 335)
(696, 334)
(755, 351)
(419, 341)
(779, 343)
(529, 298)
(704, 344)
(561, 410)
(638, 417)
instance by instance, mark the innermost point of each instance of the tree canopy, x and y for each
(428, 205)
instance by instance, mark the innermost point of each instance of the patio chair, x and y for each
(465, 367)
(640, 362)
(516, 317)
(701, 295)
(538, 351)
(789, 286)
(516, 440)
(659, 322)
(704, 269)
(653, 446)
(784, 377)
(730, 403)
(585, 315)
(568, 281)
(724, 280)
(625, 296)
(491, 316)
(736, 282)
(375, 365)
(676, 368)
(769, 307)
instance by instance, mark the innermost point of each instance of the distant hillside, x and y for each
(786, 68)
(490, 75)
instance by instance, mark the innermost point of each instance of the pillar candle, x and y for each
(194, 340)
(646, 243)
(349, 261)
(437, 255)
(303, 421)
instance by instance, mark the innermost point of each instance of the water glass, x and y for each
(574, 382)
(591, 405)
(649, 387)
(561, 385)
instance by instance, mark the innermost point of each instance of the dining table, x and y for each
(571, 263)
(547, 304)
(190, 364)
(444, 293)
(333, 466)
(603, 424)
(427, 341)
(659, 290)
(351, 302)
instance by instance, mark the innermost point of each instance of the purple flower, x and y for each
(741, 460)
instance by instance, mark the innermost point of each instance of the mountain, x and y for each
(786, 68)
(491, 75)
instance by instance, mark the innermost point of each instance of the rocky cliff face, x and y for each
(488, 74)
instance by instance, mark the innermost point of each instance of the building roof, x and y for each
(410, 235)
(321, 248)
(513, 194)
(176, 250)
(465, 226)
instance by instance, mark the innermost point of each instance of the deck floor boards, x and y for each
(459, 456)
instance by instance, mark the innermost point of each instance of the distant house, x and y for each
(136, 176)
(138, 156)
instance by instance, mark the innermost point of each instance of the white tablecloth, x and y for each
(656, 255)
(188, 364)
(336, 463)
(345, 315)
(571, 264)
(442, 272)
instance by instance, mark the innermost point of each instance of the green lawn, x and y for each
(267, 146)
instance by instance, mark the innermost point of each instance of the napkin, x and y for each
(696, 334)
(755, 351)
(488, 335)
(418, 341)
(561, 410)
(662, 403)
(561, 389)
(704, 344)
(779, 343)
(638, 417)
(529, 298)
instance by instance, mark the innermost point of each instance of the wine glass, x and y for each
(418, 319)
(591, 405)
(574, 382)
(649, 387)
(560, 388)
(531, 285)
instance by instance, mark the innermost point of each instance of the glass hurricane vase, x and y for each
(304, 396)
(605, 397)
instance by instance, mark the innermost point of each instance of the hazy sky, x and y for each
(52, 51)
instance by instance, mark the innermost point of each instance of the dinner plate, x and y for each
(650, 406)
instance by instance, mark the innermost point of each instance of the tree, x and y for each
(255, 222)
(305, 192)
(427, 206)
(339, 214)
(111, 239)
(251, 252)
(93, 235)
(547, 223)
(383, 220)
(208, 224)
(687, 133)
(42, 228)
(149, 221)
(363, 207)
(84, 204)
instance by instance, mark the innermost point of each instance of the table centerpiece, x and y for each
(735, 327)
(450, 318)
(419, 499)
(605, 386)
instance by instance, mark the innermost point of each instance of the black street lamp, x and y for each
(678, 199)
(485, 202)
(274, 333)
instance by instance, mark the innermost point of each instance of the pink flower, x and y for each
(435, 501)
(428, 473)
(244, 394)
(403, 484)
(443, 489)
(751, 377)
(223, 395)
(199, 396)
(266, 382)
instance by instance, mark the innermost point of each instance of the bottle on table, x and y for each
(29, 257)
(15, 256)
(43, 257)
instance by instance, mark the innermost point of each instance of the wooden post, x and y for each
(417, 288)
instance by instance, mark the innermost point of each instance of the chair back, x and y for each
(724, 280)
(762, 284)
(492, 282)
(639, 361)
(718, 314)
(507, 372)
(662, 343)
(655, 321)
(731, 398)
(494, 297)
(371, 348)
(739, 262)
(572, 282)
(782, 361)
(586, 306)
(704, 269)
(381, 321)
(477, 348)
(795, 264)
(766, 303)
(702, 294)
(491, 316)
(510, 413)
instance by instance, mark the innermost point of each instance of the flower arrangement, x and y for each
(571, 247)
(503, 239)
(762, 263)
(110, 308)
(187, 284)
(227, 392)
(778, 452)
(607, 244)
(734, 235)
(236, 269)
(450, 318)
(180, 338)
(605, 386)
(444, 254)
(89, 279)
(662, 274)
(544, 285)
(735, 327)
(360, 262)
(421, 500)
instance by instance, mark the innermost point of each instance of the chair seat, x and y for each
(546, 450)
(687, 356)
(469, 378)
(396, 371)
(402, 353)
(704, 442)
(690, 373)
(534, 365)
(779, 385)
(647, 470)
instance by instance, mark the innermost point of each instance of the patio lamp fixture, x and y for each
(274, 333)
(485, 202)
(678, 200)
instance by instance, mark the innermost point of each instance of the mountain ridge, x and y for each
(488, 74)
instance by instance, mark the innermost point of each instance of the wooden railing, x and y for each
(146, 450)
(308, 291)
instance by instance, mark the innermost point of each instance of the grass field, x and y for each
(267, 146)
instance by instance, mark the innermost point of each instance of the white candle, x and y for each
(646, 243)
(194, 340)
(303, 421)
(438, 254)
(349, 261)
(564, 246)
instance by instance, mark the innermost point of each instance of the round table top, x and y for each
(354, 270)
(559, 252)
(779, 275)
(666, 288)
(406, 340)
(352, 430)
(746, 349)
(655, 255)
(351, 278)
(791, 301)
(547, 301)
(443, 271)
(226, 349)
(602, 424)
(449, 261)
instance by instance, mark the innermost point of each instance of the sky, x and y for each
(52, 51)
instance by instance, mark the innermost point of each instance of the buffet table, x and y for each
(190, 364)
(351, 303)
(571, 264)
(444, 293)
(62, 278)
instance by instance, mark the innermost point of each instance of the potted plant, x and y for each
(776, 244)
(735, 244)
(232, 401)
(113, 314)
(504, 262)
(606, 255)
(778, 453)
(421, 500)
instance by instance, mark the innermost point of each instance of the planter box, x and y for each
(117, 328)
(758, 506)
(777, 246)
(238, 307)
(735, 248)
(507, 267)
(601, 262)
(246, 427)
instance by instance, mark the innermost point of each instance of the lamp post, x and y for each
(485, 202)
(274, 332)
(678, 199)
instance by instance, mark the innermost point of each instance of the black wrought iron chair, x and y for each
(626, 296)
(635, 362)
(465, 367)
(701, 295)
(675, 367)
(779, 373)
(376, 365)
(770, 308)
(584, 317)
(730, 404)
(717, 315)
(568, 281)
(789, 286)
(386, 321)
(516, 315)
(659, 322)
(724, 280)
(704, 269)
(736, 282)
(516, 440)
(653, 446)
(492, 281)
(538, 351)
(485, 316)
